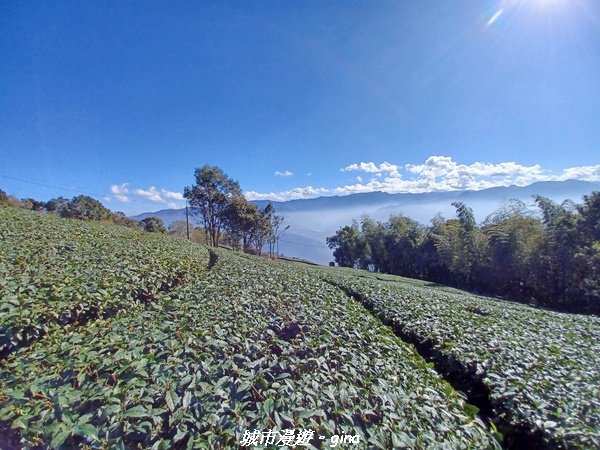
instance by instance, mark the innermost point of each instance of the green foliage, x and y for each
(152, 225)
(350, 249)
(223, 209)
(248, 344)
(540, 366)
(213, 192)
(59, 205)
(276, 229)
(55, 272)
(9, 200)
(550, 261)
(402, 240)
(32, 204)
(86, 208)
(514, 242)
(462, 246)
(80, 207)
(119, 218)
(241, 222)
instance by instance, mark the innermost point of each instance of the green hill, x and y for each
(113, 338)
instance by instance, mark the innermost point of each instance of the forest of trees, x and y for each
(79, 207)
(218, 203)
(549, 256)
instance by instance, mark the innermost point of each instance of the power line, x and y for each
(38, 183)
(302, 245)
(73, 190)
(310, 231)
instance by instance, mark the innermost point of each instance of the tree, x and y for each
(210, 196)
(375, 235)
(9, 200)
(178, 228)
(246, 223)
(588, 250)
(350, 249)
(277, 229)
(80, 207)
(57, 205)
(469, 247)
(430, 264)
(402, 241)
(262, 227)
(152, 225)
(555, 263)
(552, 257)
(32, 204)
(119, 218)
(86, 208)
(514, 238)
(239, 218)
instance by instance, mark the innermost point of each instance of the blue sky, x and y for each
(295, 99)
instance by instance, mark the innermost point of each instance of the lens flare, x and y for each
(494, 17)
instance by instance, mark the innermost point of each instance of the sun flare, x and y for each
(494, 17)
(532, 8)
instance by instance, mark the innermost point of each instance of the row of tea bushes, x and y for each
(247, 345)
(541, 367)
(55, 272)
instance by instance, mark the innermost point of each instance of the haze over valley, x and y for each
(420, 152)
(312, 220)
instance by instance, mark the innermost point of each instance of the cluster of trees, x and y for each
(152, 225)
(80, 207)
(83, 207)
(227, 217)
(549, 256)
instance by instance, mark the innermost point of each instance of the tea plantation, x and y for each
(113, 338)
(538, 370)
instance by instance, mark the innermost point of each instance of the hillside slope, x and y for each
(535, 372)
(119, 339)
(239, 345)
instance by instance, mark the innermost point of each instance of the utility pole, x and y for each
(187, 221)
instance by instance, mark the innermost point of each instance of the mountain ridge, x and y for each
(311, 220)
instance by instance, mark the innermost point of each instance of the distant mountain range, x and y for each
(312, 220)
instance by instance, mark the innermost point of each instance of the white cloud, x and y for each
(437, 173)
(443, 173)
(150, 194)
(286, 173)
(371, 167)
(585, 173)
(293, 194)
(172, 195)
(120, 191)
(154, 195)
